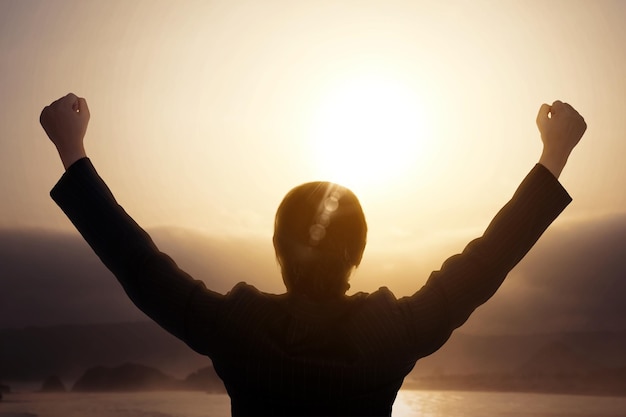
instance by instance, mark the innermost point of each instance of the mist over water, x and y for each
(408, 404)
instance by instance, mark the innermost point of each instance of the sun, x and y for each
(368, 131)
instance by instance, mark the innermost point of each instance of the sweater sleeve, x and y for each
(151, 278)
(467, 280)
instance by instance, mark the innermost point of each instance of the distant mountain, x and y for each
(137, 377)
(555, 367)
(51, 278)
(34, 353)
(558, 358)
(572, 280)
(468, 354)
(126, 377)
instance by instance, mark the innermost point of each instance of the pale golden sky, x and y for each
(205, 113)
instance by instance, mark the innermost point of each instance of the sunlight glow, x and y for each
(368, 131)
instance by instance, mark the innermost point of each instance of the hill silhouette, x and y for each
(558, 358)
(137, 377)
(571, 281)
(34, 353)
(126, 377)
(517, 362)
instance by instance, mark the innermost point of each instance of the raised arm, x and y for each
(470, 278)
(152, 280)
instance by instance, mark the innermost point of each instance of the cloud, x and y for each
(49, 278)
(573, 280)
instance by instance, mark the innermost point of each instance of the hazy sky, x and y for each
(205, 113)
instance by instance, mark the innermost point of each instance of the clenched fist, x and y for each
(65, 122)
(561, 128)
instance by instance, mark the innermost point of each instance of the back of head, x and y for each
(319, 236)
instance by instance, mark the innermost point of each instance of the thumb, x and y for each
(542, 116)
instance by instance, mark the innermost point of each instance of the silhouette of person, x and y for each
(312, 350)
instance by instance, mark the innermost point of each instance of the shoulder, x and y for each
(245, 290)
(382, 294)
(380, 302)
(245, 299)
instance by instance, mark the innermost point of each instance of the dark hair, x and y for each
(319, 236)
